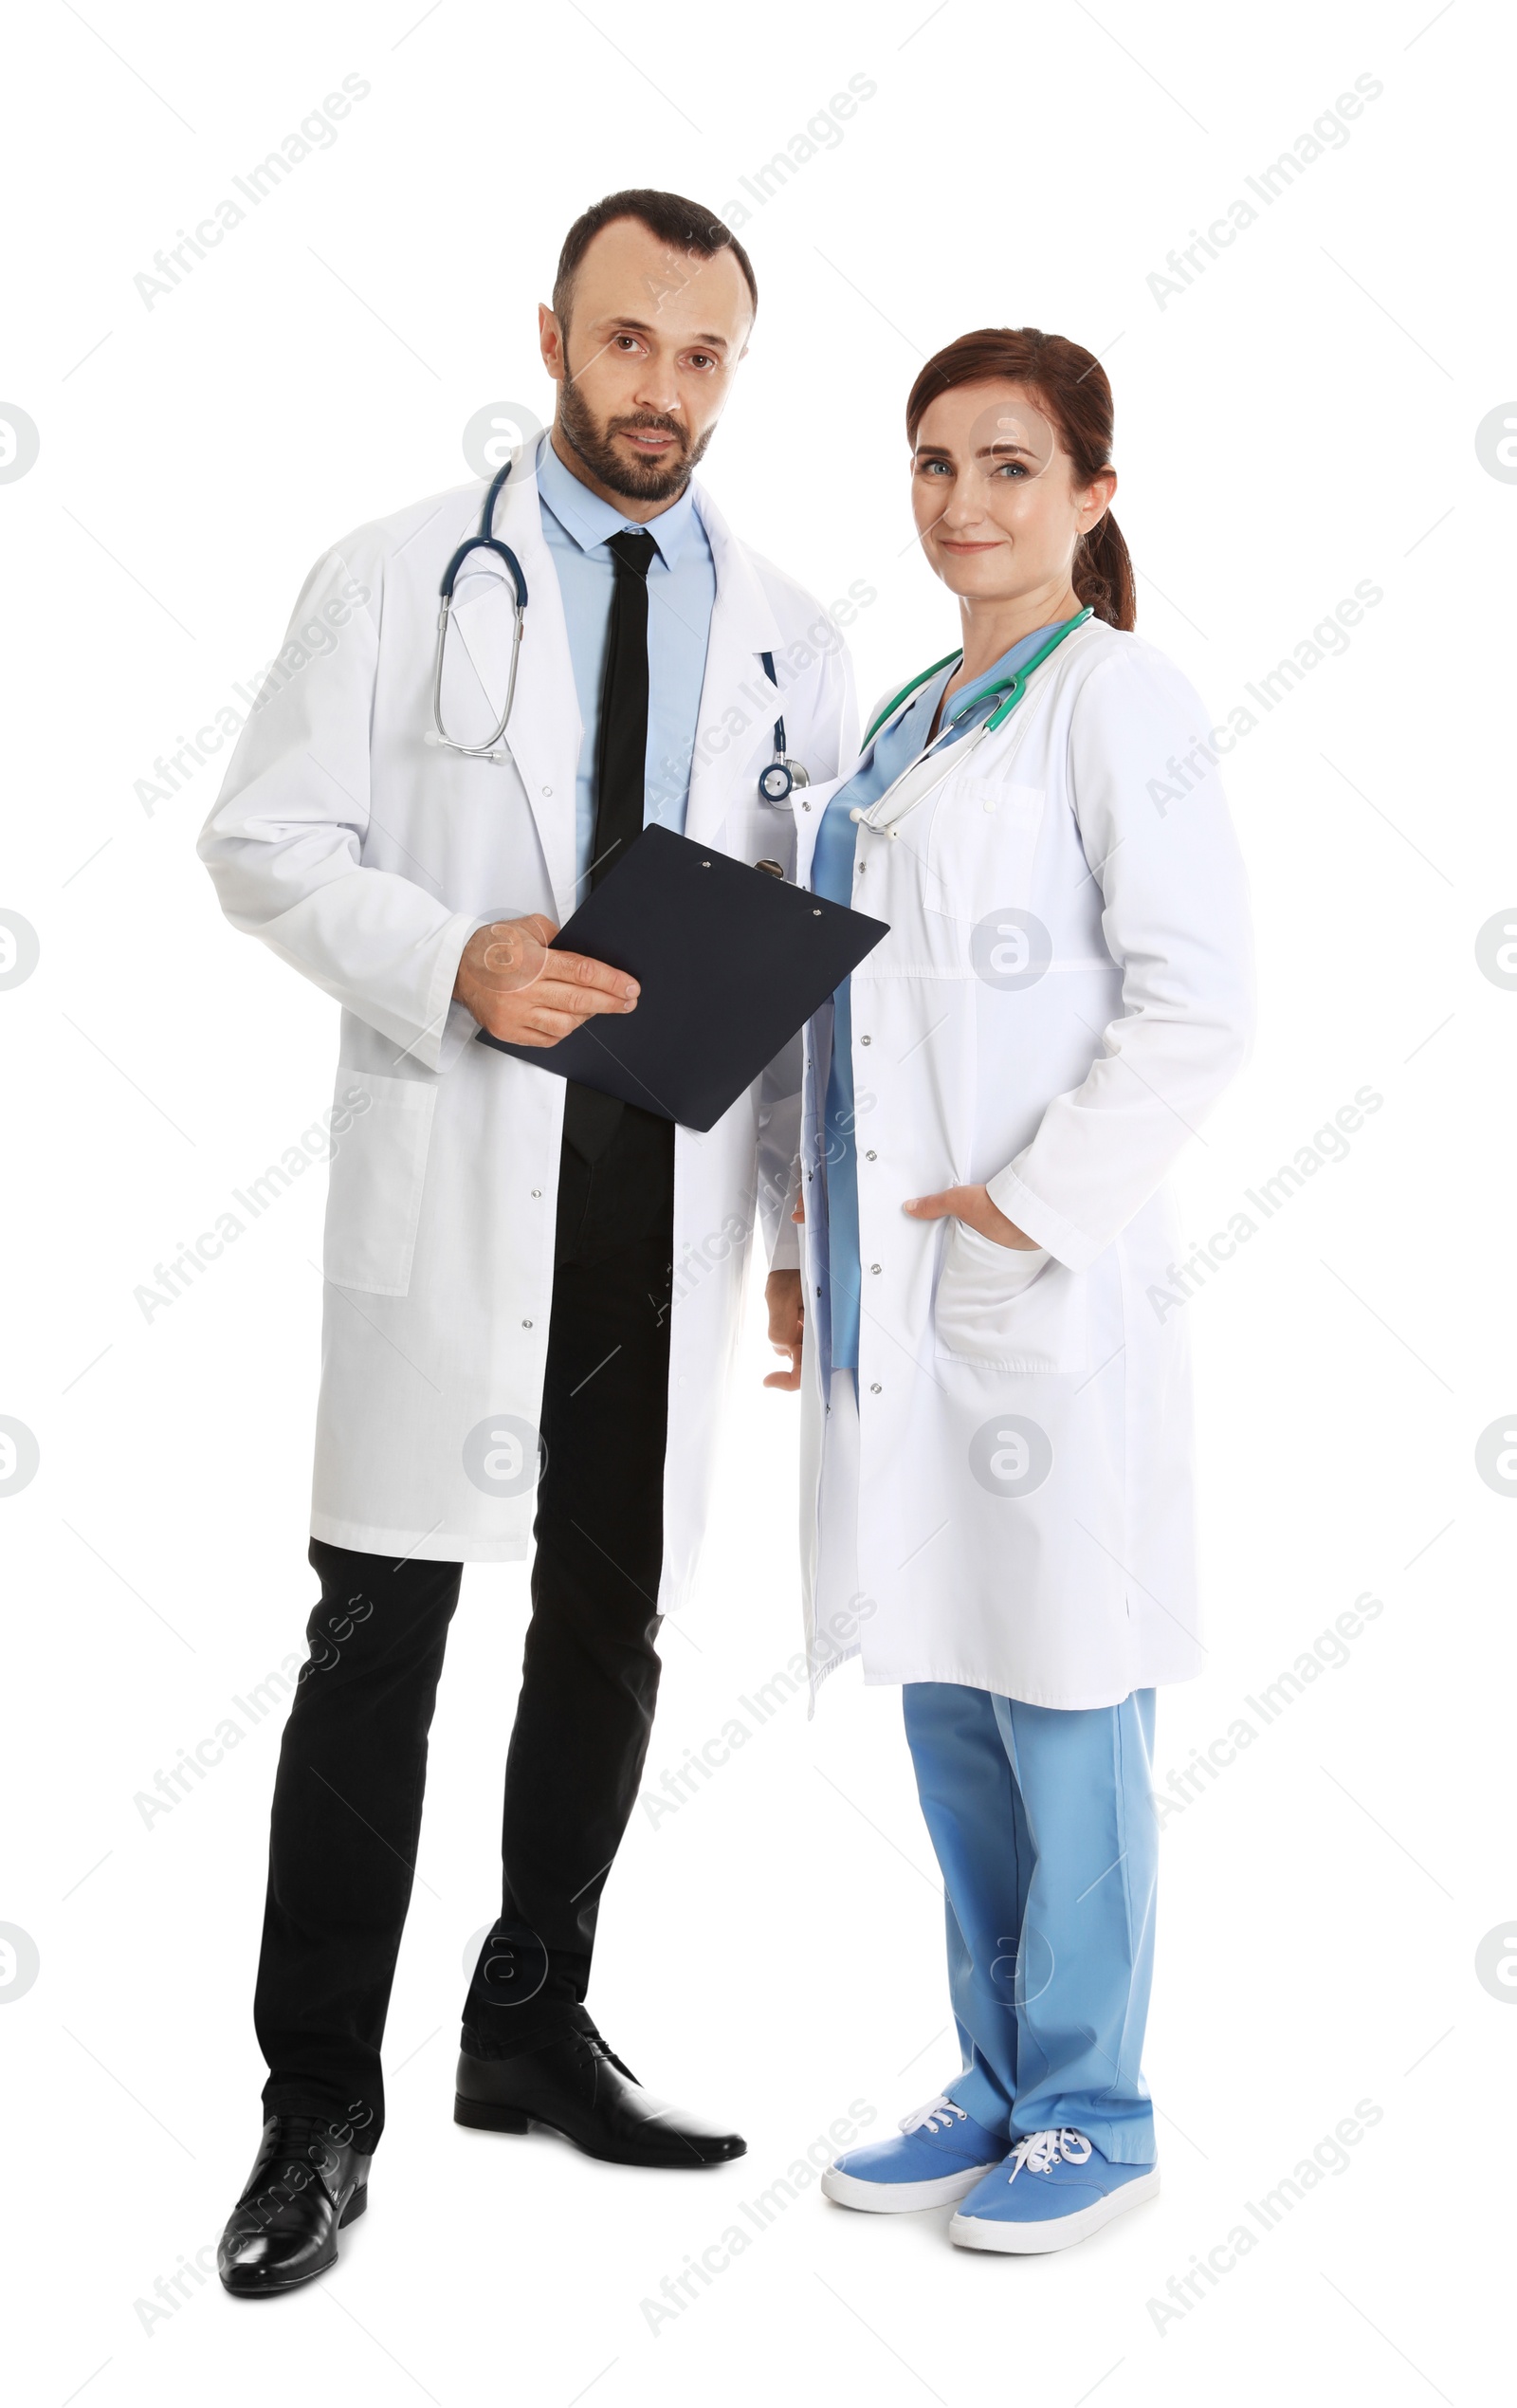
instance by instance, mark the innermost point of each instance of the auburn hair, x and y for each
(1072, 387)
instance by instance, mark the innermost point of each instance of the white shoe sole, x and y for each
(1034, 2240)
(899, 2198)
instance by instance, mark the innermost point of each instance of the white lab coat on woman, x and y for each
(1065, 991)
(366, 858)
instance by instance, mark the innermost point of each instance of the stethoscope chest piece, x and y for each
(779, 779)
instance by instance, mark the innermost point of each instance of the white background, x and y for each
(1301, 417)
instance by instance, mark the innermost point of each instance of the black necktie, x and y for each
(622, 750)
(591, 1118)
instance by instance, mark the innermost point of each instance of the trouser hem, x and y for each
(1126, 2147)
(520, 2040)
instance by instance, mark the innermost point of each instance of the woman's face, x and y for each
(994, 494)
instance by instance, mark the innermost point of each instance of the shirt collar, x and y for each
(588, 521)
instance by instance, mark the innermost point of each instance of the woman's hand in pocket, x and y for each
(787, 1324)
(973, 1206)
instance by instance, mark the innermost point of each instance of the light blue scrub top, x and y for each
(833, 876)
(681, 592)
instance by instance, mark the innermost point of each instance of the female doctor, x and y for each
(997, 1510)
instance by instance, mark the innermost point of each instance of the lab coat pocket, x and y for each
(1006, 1306)
(378, 1169)
(980, 847)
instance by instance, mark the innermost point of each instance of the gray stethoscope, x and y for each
(486, 541)
(778, 778)
(932, 765)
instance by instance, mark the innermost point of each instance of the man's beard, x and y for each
(662, 480)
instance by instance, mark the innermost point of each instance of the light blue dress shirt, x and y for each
(681, 592)
(833, 876)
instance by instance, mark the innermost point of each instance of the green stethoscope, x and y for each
(919, 779)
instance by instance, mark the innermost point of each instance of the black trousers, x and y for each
(353, 1762)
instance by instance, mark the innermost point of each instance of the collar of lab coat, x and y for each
(545, 730)
(743, 626)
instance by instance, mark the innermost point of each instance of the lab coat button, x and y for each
(874, 1387)
(547, 790)
(872, 1155)
(864, 1041)
(527, 1325)
(537, 1191)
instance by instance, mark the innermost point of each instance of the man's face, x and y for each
(646, 362)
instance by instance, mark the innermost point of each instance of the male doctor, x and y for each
(532, 1292)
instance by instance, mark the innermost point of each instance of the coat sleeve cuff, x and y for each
(786, 1256)
(451, 1025)
(1042, 1221)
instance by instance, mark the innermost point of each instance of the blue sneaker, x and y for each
(1055, 2188)
(940, 2155)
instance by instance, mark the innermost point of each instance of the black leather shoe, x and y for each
(305, 2186)
(572, 2083)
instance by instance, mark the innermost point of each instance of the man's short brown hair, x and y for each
(681, 223)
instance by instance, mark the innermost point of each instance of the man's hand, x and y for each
(973, 1206)
(787, 1323)
(518, 989)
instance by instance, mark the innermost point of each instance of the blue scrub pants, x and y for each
(1043, 1827)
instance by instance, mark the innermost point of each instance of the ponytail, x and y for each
(1103, 574)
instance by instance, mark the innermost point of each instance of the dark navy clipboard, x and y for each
(730, 960)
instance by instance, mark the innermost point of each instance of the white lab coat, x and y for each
(1010, 1505)
(366, 858)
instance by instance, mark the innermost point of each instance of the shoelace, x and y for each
(601, 2048)
(306, 2150)
(934, 2117)
(1041, 2151)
